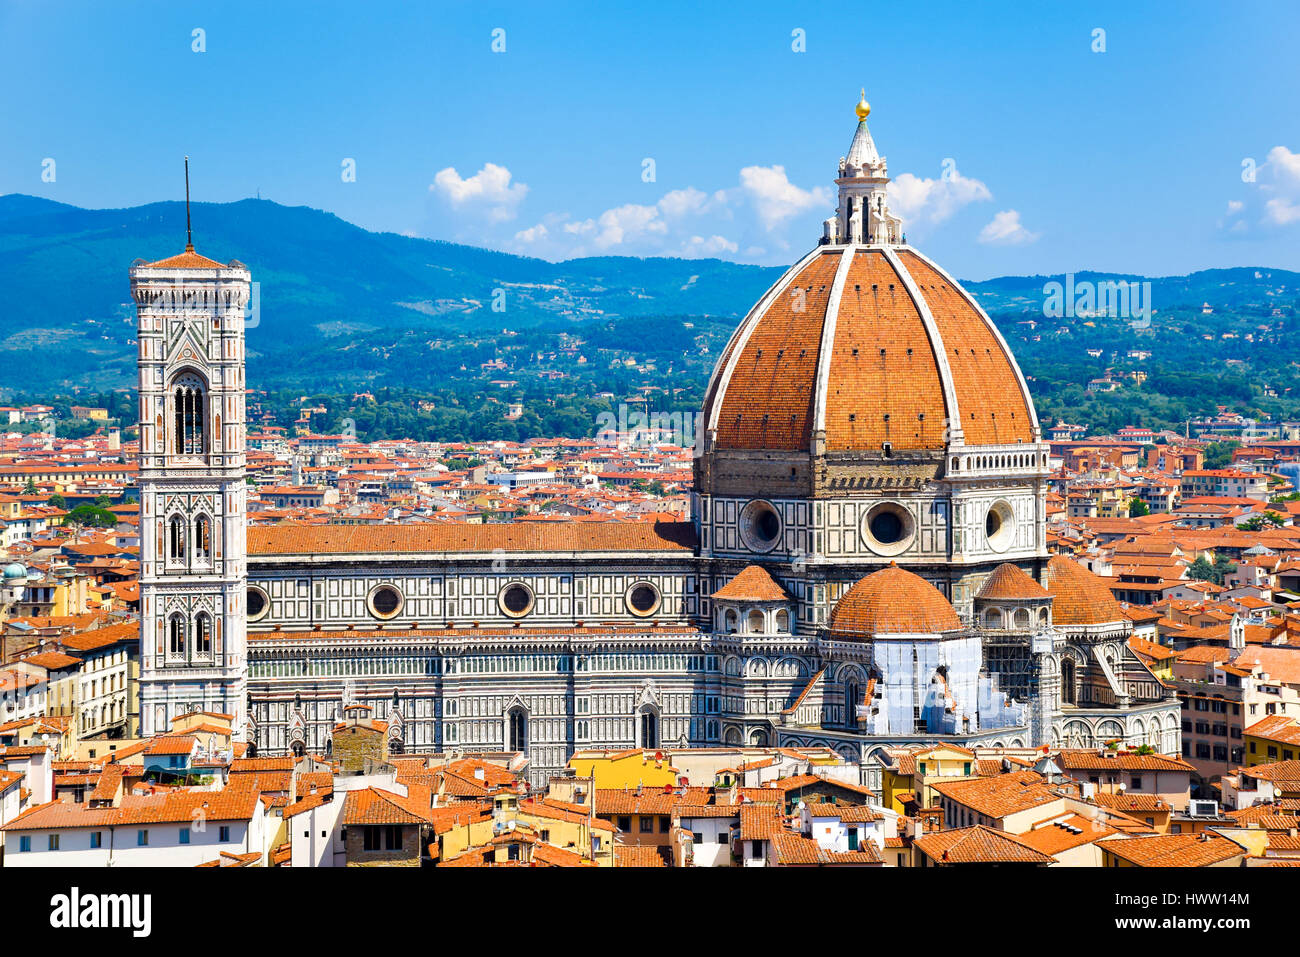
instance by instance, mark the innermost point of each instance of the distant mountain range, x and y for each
(68, 322)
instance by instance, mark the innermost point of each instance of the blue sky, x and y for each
(1128, 160)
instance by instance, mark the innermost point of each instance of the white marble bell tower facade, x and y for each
(193, 647)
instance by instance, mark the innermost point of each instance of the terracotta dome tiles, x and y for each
(769, 395)
(892, 601)
(884, 383)
(1012, 583)
(1080, 597)
(752, 583)
(993, 406)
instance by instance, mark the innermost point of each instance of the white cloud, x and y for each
(618, 225)
(490, 188)
(689, 202)
(1005, 229)
(533, 234)
(774, 198)
(713, 246)
(1274, 193)
(1281, 212)
(922, 200)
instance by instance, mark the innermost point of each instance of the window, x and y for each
(516, 600)
(643, 599)
(54, 842)
(176, 636)
(665, 825)
(649, 729)
(185, 835)
(624, 823)
(697, 837)
(142, 838)
(202, 538)
(25, 843)
(203, 634)
(96, 839)
(518, 721)
(1136, 782)
(188, 409)
(256, 602)
(224, 834)
(647, 824)
(176, 538)
(385, 602)
(387, 838)
(851, 700)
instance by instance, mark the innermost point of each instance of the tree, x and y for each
(1257, 522)
(1219, 454)
(1206, 571)
(91, 516)
(1138, 508)
(56, 501)
(30, 488)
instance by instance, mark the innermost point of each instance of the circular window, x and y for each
(888, 528)
(643, 599)
(760, 526)
(257, 603)
(385, 601)
(516, 600)
(999, 526)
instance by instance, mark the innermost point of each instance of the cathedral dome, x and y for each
(1081, 598)
(864, 349)
(892, 601)
(866, 346)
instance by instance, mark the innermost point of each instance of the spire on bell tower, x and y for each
(862, 216)
(189, 236)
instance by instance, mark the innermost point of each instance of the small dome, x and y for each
(1081, 598)
(752, 583)
(1010, 582)
(892, 601)
(14, 571)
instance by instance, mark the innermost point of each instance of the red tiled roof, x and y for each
(1080, 597)
(1011, 582)
(892, 600)
(752, 583)
(979, 845)
(464, 537)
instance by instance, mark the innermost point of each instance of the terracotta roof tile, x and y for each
(1080, 597)
(892, 601)
(464, 537)
(1011, 582)
(752, 583)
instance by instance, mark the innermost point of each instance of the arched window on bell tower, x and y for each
(203, 635)
(202, 539)
(176, 636)
(176, 539)
(189, 436)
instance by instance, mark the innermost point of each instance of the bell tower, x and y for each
(190, 312)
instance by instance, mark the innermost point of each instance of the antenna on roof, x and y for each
(189, 236)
